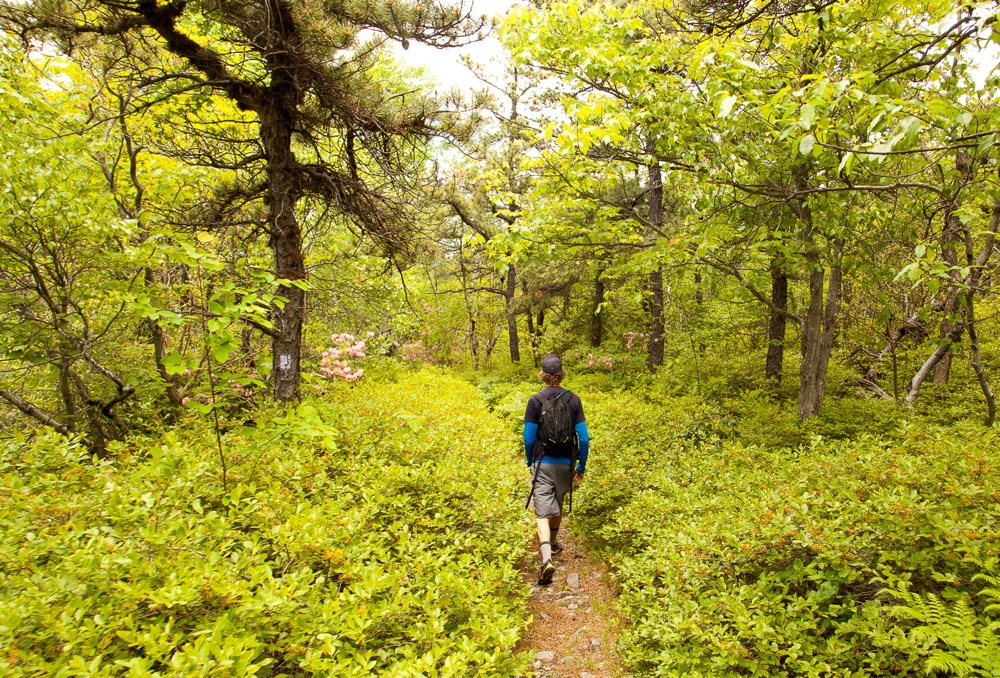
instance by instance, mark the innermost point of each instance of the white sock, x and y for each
(546, 549)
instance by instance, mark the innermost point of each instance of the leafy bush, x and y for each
(869, 555)
(374, 532)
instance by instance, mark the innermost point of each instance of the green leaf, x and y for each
(173, 362)
(807, 115)
(726, 105)
(200, 408)
(223, 349)
(806, 144)
(846, 163)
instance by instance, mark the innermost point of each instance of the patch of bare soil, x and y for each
(574, 628)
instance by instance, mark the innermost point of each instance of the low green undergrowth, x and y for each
(373, 531)
(860, 555)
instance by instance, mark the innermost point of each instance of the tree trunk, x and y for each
(159, 340)
(473, 341)
(97, 440)
(942, 371)
(597, 314)
(655, 319)
(977, 363)
(66, 390)
(512, 338)
(977, 264)
(276, 122)
(819, 327)
(931, 363)
(949, 236)
(818, 332)
(871, 376)
(776, 326)
(35, 412)
(656, 277)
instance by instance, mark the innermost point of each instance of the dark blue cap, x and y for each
(551, 364)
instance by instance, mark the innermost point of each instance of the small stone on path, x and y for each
(568, 624)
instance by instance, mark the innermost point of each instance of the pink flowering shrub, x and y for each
(604, 362)
(336, 360)
(416, 352)
(632, 338)
(241, 390)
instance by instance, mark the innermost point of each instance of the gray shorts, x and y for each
(552, 482)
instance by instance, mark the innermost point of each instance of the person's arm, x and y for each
(584, 437)
(530, 433)
(530, 429)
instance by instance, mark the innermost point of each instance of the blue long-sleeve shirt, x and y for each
(531, 434)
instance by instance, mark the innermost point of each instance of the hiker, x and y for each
(551, 450)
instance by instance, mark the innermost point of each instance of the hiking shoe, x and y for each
(547, 572)
(556, 548)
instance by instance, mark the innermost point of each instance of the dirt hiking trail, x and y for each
(574, 624)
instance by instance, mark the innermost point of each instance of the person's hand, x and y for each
(577, 476)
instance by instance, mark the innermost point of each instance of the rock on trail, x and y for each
(573, 630)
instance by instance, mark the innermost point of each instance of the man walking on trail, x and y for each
(555, 436)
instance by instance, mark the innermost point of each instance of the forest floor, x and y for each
(575, 624)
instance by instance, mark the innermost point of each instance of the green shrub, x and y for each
(373, 532)
(738, 558)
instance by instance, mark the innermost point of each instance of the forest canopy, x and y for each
(764, 229)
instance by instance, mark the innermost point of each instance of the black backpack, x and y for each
(556, 430)
(556, 437)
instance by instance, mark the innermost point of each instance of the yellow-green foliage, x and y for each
(371, 532)
(869, 556)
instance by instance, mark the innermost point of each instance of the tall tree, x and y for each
(325, 122)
